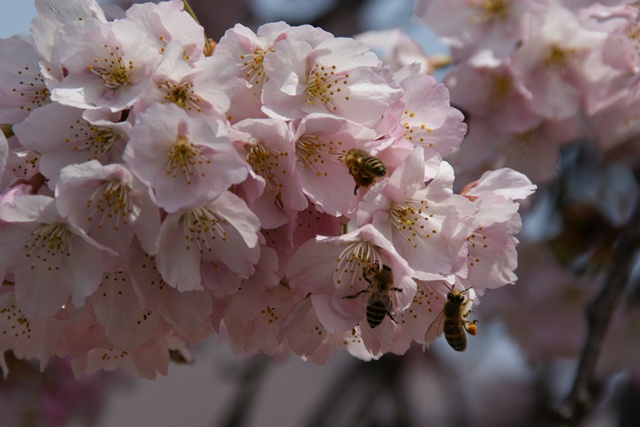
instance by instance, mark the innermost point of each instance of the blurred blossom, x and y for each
(54, 397)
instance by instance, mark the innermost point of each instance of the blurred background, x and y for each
(518, 368)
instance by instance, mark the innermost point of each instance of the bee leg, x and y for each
(471, 327)
(397, 289)
(355, 190)
(355, 295)
(391, 317)
(366, 278)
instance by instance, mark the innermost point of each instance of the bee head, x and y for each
(456, 296)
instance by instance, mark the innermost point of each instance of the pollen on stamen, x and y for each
(202, 227)
(186, 159)
(94, 140)
(320, 86)
(355, 259)
(110, 203)
(265, 162)
(312, 150)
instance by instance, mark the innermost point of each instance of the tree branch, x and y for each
(581, 398)
(249, 382)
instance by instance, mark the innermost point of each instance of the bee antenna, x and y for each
(447, 285)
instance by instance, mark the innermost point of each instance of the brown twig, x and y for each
(582, 396)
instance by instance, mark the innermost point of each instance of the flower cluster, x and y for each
(537, 79)
(532, 75)
(156, 191)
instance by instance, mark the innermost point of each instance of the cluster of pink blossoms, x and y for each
(531, 76)
(153, 195)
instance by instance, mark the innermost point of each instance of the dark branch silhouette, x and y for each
(583, 395)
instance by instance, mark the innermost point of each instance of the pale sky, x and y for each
(15, 16)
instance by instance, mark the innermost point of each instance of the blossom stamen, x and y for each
(476, 240)
(184, 159)
(356, 258)
(201, 226)
(96, 141)
(413, 132)
(495, 10)
(558, 58)
(33, 89)
(47, 244)
(114, 70)
(18, 326)
(324, 85)
(181, 94)
(412, 220)
(265, 163)
(110, 202)
(252, 64)
(312, 152)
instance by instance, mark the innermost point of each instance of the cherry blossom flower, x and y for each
(338, 76)
(23, 87)
(154, 194)
(194, 243)
(203, 88)
(255, 316)
(47, 26)
(185, 161)
(489, 89)
(620, 24)
(145, 361)
(29, 338)
(109, 204)
(248, 49)
(534, 151)
(321, 142)
(425, 117)
(428, 225)
(332, 268)
(492, 256)
(167, 21)
(73, 136)
(108, 64)
(267, 147)
(121, 311)
(470, 26)
(52, 260)
(551, 63)
(184, 311)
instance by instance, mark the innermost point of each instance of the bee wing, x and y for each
(436, 328)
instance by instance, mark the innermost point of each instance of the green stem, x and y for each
(189, 10)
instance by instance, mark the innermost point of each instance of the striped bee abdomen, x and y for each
(376, 311)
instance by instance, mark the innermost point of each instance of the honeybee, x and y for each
(363, 167)
(382, 301)
(452, 320)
